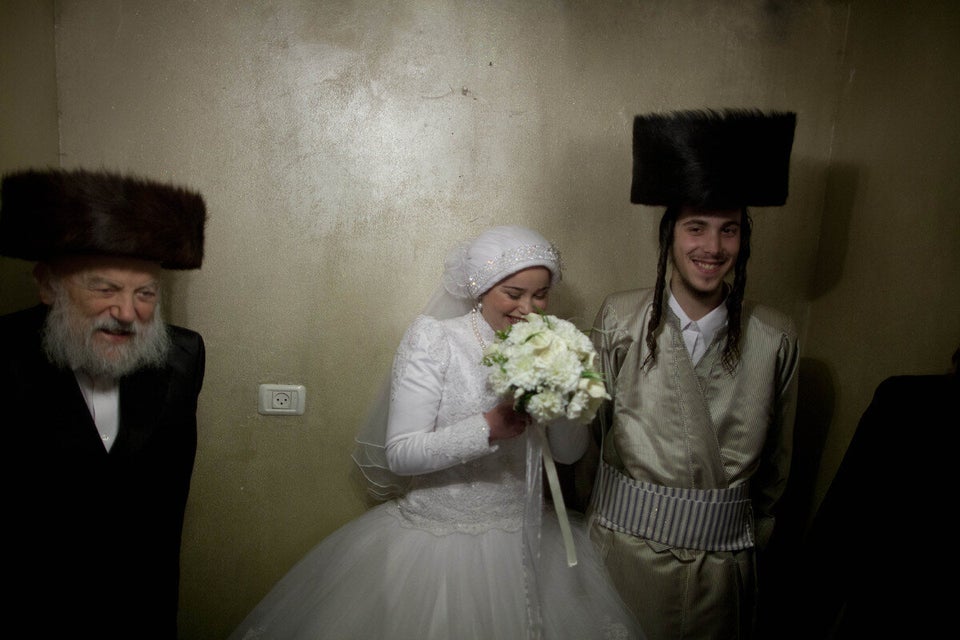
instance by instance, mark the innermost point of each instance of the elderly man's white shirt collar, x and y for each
(103, 401)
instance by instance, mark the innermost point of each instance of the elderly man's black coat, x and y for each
(94, 537)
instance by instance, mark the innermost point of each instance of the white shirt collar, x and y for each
(698, 334)
(103, 401)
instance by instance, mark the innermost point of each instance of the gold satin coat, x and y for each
(696, 427)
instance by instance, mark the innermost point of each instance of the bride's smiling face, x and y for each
(512, 298)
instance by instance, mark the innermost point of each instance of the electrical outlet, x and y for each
(282, 399)
(279, 399)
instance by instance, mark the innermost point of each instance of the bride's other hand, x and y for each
(505, 422)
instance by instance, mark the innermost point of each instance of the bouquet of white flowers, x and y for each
(549, 367)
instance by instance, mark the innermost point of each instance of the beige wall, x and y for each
(344, 146)
(885, 298)
(28, 116)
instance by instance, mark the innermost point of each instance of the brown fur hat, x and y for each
(712, 159)
(46, 214)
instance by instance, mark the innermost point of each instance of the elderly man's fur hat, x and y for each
(46, 214)
(712, 159)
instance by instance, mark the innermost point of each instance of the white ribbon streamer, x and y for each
(558, 504)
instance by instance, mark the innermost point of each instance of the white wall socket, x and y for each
(282, 399)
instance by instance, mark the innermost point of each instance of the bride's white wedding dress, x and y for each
(446, 560)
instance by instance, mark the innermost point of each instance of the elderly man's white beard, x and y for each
(68, 340)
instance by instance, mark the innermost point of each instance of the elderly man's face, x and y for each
(102, 317)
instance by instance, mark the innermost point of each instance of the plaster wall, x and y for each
(885, 298)
(28, 116)
(343, 147)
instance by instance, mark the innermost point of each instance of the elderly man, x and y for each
(101, 403)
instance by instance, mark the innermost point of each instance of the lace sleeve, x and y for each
(414, 444)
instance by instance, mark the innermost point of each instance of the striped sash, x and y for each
(705, 519)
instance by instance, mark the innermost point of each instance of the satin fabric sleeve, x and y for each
(414, 445)
(611, 342)
(568, 440)
(770, 480)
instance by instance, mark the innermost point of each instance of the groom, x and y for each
(697, 438)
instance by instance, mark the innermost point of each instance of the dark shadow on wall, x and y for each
(17, 288)
(840, 195)
(176, 292)
(777, 564)
(816, 401)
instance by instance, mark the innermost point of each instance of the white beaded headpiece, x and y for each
(473, 267)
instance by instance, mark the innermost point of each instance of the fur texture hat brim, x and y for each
(712, 159)
(46, 214)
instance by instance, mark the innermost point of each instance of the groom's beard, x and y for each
(69, 340)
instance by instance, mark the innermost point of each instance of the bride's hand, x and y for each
(505, 422)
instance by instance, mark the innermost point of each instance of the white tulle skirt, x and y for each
(377, 577)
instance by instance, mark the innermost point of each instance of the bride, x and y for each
(464, 548)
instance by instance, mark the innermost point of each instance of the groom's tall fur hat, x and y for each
(712, 159)
(46, 214)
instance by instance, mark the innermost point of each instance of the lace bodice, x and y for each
(437, 432)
